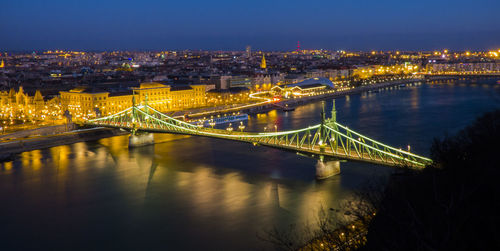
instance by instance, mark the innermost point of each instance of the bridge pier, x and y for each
(142, 139)
(326, 169)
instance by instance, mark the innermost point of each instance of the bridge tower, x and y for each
(139, 138)
(333, 119)
(324, 167)
(146, 104)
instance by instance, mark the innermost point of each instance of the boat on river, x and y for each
(220, 120)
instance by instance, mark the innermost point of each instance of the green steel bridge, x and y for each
(328, 139)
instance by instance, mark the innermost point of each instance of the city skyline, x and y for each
(249, 125)
(224, 25)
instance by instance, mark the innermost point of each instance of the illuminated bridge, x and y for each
(328, 139)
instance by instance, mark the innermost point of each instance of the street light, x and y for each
(241, 127)
(229, 128)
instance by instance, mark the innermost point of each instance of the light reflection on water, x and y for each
(198, 193)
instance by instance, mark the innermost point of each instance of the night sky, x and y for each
(263, 24)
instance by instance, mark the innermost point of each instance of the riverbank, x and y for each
(437, 77)
(9, 149)
(36, 132)
(300, 101)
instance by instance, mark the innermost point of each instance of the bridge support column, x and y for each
(326, 169)
(142, 139)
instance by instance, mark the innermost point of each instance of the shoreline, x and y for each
(8, 150)
(305, 100)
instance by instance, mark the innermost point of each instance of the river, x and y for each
(199, 193)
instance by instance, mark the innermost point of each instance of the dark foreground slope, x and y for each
(452, 205)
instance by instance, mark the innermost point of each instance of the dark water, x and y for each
(200, 193)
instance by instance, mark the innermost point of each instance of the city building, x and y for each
(21, 106)
(87, 102)
(248, 51)
(465, 67)
(310, 86)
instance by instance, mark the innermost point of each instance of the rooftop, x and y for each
(314, 81)
(87, 89)
(152, 85)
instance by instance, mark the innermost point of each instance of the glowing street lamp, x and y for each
(242, 126)
(229, 128)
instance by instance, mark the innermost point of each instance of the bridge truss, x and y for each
(327, 139)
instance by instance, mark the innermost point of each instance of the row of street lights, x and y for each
(230, 127)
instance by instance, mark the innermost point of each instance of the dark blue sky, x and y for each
(232, 24)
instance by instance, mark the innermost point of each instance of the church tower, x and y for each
(263, 62)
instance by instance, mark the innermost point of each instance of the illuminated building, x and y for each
(465, 67)
(311, 86)
(263, 62)
(187, 97)
(85, 102)
(262, 82)
(240, 81)
(249, 51)
(258, 82)
(20, 106)
(364, 72)
(235, 95)
(166, 98)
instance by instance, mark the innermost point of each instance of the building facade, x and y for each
(84, 103)
(20, 106)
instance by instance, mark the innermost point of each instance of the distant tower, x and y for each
(298, 46)
(249, 51)
(263, 63)
(2, 64)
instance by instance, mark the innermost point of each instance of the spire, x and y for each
(334, 112)
(2, 64)
(263, 63)
(38, 96)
